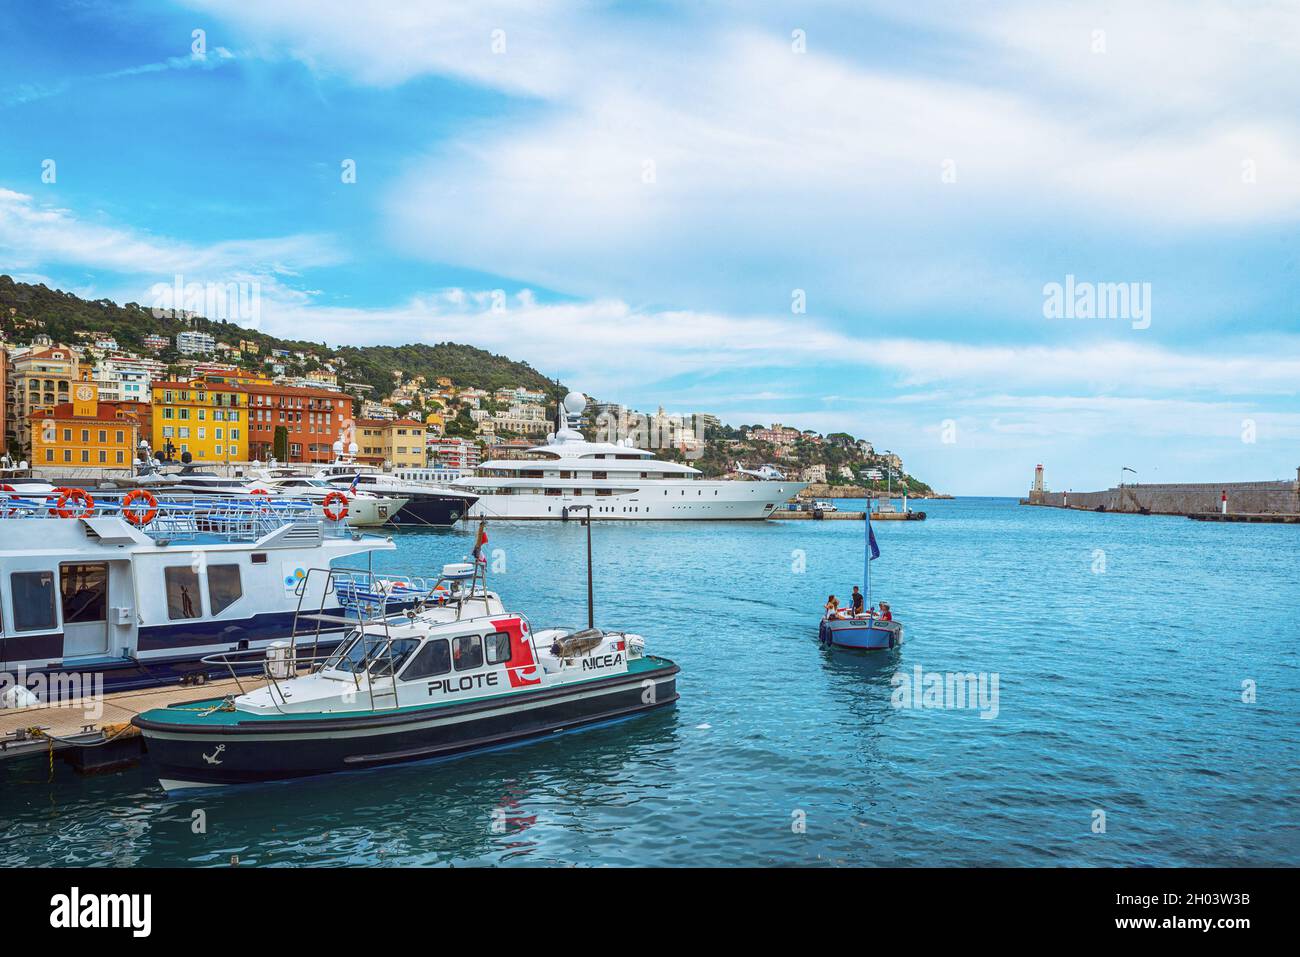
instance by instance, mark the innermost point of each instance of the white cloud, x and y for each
(34, 233)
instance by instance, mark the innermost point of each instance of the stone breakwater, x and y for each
(1256, 498)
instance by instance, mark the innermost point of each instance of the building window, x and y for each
(224, 587)
(182, 592)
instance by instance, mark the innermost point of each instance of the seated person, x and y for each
(857, 601)
(884, 611)
(832, 607)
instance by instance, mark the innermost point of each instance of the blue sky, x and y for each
(650, 184)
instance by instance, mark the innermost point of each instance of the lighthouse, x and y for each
(1037, 490)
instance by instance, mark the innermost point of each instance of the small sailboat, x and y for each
(872, 630)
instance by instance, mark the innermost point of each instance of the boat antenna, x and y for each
(591, 608)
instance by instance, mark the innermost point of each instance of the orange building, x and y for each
(86, 432)
(311, 418)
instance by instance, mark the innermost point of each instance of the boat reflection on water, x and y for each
(474, 809)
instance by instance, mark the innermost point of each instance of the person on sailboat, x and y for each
(857, 601)
(832, 607)
(885, 614)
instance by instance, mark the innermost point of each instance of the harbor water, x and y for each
(1139, 682)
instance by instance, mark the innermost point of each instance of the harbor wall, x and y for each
(1263, 498)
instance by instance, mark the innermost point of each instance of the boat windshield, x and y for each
(361, 650)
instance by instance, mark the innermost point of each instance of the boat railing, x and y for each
(227, 518)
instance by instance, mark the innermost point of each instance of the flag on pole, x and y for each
(480, 541)
(871, 540)
(356, 479)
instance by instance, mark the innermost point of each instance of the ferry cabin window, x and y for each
(33, 601)
(497, 647)
(434, 659)
(85, 593)
(390, 660)
(182, 592)
(467, 652)
(224, 587)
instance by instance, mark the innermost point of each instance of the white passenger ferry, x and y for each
(134, 591)
(617, 480)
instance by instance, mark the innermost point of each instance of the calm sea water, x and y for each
(1121, 645)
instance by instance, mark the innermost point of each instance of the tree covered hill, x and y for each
(27, 309)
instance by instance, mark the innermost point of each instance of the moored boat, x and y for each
(455, 674)
(133, 591)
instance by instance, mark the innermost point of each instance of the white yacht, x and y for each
(618, 481)
(363, 509)
(426, 506)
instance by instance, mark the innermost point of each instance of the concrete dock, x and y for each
(94, 734)
(790, 516)
(1283, 518)
(1276, 499)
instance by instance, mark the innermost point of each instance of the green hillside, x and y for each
(27, 309)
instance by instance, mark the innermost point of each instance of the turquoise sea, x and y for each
(1123, 648)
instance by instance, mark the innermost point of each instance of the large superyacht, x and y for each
(619, 482)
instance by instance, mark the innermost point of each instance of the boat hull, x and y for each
(189, 756)
(861, 633)
(649, 501)
(431, 511)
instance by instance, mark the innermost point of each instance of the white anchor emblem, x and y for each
(214, 757)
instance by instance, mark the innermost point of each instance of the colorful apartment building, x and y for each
(454, 453)
(311, 419)
(4, 400)
(39, 378)
(86, 432)
(206, 419)
(397, 442)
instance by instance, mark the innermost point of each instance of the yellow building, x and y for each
(398, 443)
(209, 420)
(86, 432)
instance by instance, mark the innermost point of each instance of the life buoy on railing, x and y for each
(85, 504)
(264, 495)
(139, 516)
(52, 499)
(331, 500)
(9, 492)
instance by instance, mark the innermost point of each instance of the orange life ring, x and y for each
(10, 491)
(137, 516)
(335, 514)
(82, 497)
(264, 495)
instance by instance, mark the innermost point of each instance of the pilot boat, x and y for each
(456, 673)
(872, 630)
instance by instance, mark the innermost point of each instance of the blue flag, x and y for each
(874, 548)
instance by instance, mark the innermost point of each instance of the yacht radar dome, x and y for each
(575, 403)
